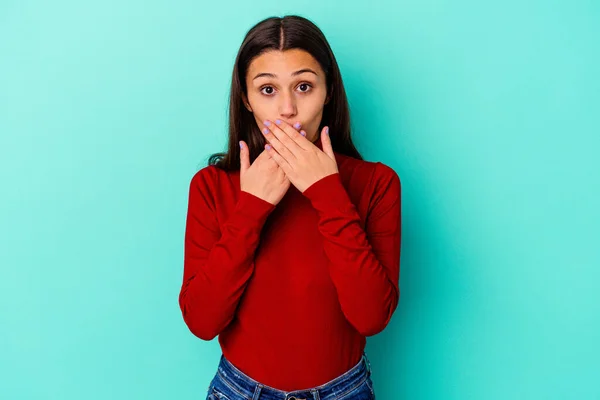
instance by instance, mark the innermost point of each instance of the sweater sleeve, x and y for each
(218, 260)
(364, 263)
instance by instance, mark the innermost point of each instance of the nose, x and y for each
(287, 105)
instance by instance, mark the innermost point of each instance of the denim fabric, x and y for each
(229, 383)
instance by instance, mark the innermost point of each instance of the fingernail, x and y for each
(278, 121)
(265, 131)
(267, 123)
(241, 145)
(327, 130)
(303, 133)
(297, 125)
(268, 146)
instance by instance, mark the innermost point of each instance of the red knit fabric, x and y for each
(293, 289)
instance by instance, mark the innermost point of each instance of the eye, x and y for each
(304, 85)
(266, 87)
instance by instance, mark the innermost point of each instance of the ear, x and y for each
(245, 100)
(328, 97)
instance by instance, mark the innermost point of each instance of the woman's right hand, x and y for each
(264, 178)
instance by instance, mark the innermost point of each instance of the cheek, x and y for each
(313, 114)
(262, 108)
(256, 101)
(313, 105)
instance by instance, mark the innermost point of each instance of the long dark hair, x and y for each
(285, 33)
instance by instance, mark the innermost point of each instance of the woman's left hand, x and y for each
(302, 161)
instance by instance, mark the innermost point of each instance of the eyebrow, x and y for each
(300, 71)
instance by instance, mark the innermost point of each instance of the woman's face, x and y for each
(277, 90)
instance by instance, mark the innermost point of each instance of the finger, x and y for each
(294, 132)
(282, 162)
(275, 141)
(244, 157)
(287, 134)
(263, 155)
(326, 142)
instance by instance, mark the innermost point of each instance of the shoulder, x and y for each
(385, 175)
(369, 174)
(383, 191)
(204, 185)
(208, 176)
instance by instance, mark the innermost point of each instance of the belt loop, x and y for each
(316, 394)
(257, 391)
(367, 362)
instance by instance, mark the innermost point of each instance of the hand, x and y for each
(264, 178)
(302, 161)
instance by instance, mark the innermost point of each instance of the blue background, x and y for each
(488, 111)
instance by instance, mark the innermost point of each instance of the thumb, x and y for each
(326, 142)
(244, 157)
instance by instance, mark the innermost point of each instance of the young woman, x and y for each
(292, 241)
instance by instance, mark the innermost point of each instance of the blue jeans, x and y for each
(229, 383)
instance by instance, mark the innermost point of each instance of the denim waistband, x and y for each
(251, 389)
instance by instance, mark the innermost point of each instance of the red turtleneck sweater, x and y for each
(293, 289)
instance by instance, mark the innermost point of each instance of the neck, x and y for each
(317, 142)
